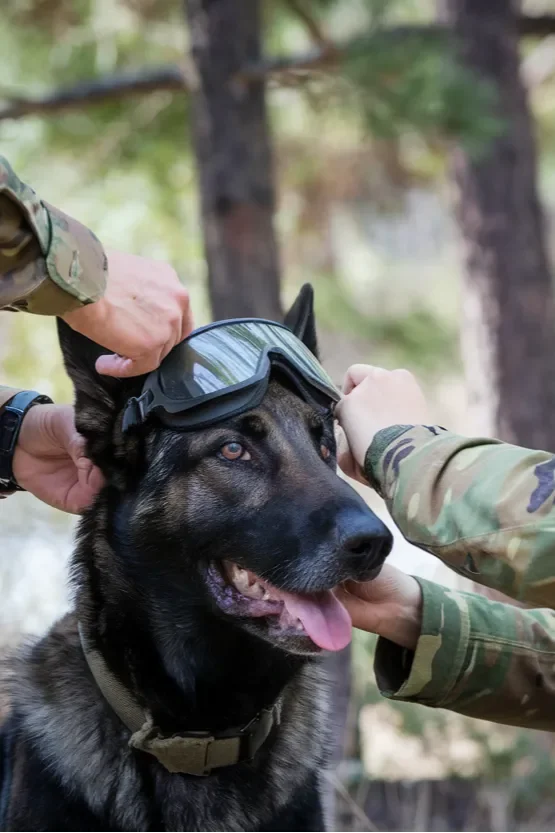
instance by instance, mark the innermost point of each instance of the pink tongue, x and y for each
(324, 618)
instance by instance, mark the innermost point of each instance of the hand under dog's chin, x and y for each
(299, 623)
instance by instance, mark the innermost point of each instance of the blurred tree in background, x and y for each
(317, 123)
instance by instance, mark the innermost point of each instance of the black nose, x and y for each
(365, 540)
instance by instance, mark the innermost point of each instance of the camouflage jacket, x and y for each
(486, 509)
(49, 263)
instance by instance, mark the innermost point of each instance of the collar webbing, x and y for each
(191, 753)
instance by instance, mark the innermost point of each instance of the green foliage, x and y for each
(417, 339)
(411, 82)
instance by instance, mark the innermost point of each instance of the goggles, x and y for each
(223, 369)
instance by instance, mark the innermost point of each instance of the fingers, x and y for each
(345, 459)
(179, 326)
(355, 375)
(90, 480)
(364, 616)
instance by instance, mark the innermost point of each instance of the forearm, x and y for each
(477, 657)
(484, 507)
(49, 263)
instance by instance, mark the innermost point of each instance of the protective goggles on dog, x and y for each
(223, 369)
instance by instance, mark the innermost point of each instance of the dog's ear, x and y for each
(99, 402)
(301, 320)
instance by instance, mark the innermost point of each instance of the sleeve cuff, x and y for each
(75, 260)
(429, 674)
(376, 449)
(72, 270)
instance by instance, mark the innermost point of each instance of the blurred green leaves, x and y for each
(411, 81)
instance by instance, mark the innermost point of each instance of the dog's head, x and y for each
(248, 518)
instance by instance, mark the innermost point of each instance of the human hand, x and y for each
(143, 314)
(374, 399)
(389, 605)
(49, 459)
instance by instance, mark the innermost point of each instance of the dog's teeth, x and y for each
(266, 596)
(245, 582)
(240, 578)
(299, 625)
(256, 591)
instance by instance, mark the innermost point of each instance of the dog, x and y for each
(191, 536)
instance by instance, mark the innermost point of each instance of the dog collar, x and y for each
(190, 753)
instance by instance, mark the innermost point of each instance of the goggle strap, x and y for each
(134, 413)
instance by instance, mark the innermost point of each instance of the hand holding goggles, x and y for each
(223, 369)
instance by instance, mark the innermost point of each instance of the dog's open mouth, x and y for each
(318, 616)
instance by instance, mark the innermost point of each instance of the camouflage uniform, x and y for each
(49, 263)
(486, 509)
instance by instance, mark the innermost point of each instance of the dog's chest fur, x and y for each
(65, 726)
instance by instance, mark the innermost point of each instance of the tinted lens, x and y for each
(231, 354)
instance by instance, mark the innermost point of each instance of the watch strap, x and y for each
(11, 420)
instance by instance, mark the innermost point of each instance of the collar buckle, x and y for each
(191, 754)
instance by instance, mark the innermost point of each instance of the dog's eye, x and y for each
(234, 451)
(325, 452)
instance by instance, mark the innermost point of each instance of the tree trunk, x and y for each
(508, 334)
(233, 151)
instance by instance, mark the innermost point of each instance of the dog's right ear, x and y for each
(300, 318)
(99, 402)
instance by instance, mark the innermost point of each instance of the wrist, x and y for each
(380, 441)
(403, 625)
(12, 416)
(405, 629)
(84, 315)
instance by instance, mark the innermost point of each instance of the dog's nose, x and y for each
(366, 539)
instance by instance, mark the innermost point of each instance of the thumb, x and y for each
(89, 476)
(115, 365)
(121, 368)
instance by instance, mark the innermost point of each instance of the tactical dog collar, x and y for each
(190, 753)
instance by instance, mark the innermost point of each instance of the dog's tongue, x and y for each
(324, 618)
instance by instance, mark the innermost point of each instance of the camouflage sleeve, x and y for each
(49, 263)
(480, 658)
(485, 508)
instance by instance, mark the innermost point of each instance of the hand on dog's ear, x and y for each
(301, 320)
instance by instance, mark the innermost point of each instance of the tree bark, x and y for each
(508, 307)
(233, 151)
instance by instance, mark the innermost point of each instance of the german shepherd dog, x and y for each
(185, 575)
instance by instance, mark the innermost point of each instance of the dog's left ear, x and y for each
(301, 320)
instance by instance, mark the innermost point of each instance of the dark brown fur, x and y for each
(170, 506)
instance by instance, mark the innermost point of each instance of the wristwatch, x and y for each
(11, 420)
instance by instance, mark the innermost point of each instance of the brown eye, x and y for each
(234, 451)
(325, 452)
